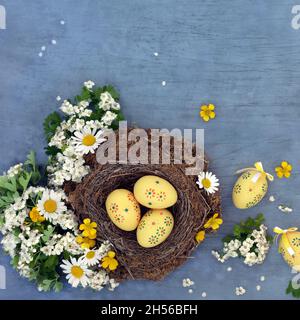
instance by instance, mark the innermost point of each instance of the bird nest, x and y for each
(192, 209)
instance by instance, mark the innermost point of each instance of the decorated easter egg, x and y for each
(154, 227)
(251, 187)
(123, 210)
(289, 247)
(155, 192)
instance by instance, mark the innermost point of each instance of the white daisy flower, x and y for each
(208, 181)
(87, 140)
(91, 257)
(51, 204)
(77, 272)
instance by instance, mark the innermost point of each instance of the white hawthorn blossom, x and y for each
(254, 249)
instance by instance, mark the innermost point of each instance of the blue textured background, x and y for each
(243, 56)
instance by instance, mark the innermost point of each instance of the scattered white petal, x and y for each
(62, 22)
(53, 41)
(43, 48)
(285, 209)
(40, 54)
(156, 54)
(262, 278)
(272, 198)
(258, 287)
(190, 290)
(187, 282)
(58, 98)
(163, 83)
(239, 291)
(229, 269)
(203, 294)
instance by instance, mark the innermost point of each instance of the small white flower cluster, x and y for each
(29, 239)
(107, 102)
(187, 282)
(14, 170)
(9, 243)
(89, 84)
(254, 249)
(80, 111)
(16, 213)
(239, 291)
(108, 118)
(58, 243)
(99, 279)
(69, 164)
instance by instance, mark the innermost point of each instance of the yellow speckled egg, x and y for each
(249, 189)
(123, 210)
(154, 227)
(154, 192)
(294, 241)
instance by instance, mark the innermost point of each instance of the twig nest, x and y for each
(190, 212)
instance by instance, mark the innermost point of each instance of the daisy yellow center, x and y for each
(50, 206)
(206, 183)
(88, 140)
(90, 255)
(77, 272)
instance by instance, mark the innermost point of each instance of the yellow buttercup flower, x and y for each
(214, 222)
(207, 112)
(35, 215)
(200, 236)
(109, 261)
(284, 170)
(85, 242)
(89, 228)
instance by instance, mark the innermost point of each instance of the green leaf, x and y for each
(46, 284)
(66, 255)
(1, 221)
(5, 183)
(228, 238)
(85, 95)
(51, 123)
(24, 180)
(14, 261)
(294, 292)
(47, 233)
(31, 160)
(58, 286)
(113, 92)
(52, 150)
(245, 228)
(35, 177)
(51, 262)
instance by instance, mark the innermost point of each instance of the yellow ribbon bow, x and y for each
(258, 167)
(285, 240)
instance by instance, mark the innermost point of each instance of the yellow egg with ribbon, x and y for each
(289, 246)
(251, 186)
(154, 227)
(154, 192)
(123, 210)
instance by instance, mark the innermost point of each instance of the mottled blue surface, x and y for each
(241, 55)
